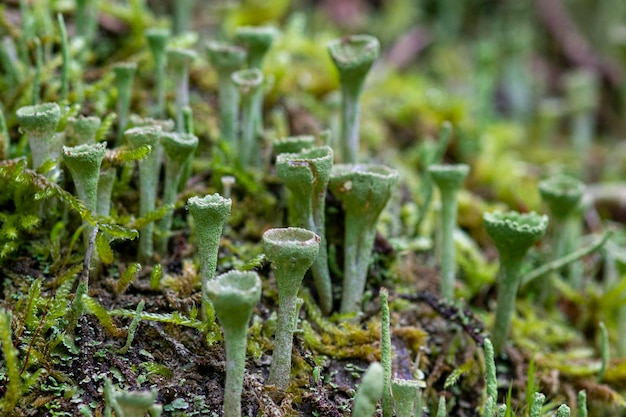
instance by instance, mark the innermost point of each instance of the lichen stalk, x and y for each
(234, 296)
(364, 191)
(448, 179)
(105, 189)
(177, 149)
(124, 77)
(513, 234)
(369, 391)
(385, 348)
(180, 61)
(249, 84)
(291, 251)
(353, 56)
(306, 175)
(227, 59)
(148, 182)
(405, 392)
(39, 122)
(157, 41)
(209, 213)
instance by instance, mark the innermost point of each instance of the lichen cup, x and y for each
(291, 251)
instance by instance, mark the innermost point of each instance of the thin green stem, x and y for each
(280, 369)
(235, 341)
(507, 291)
(448, 253)
(358, 244)
(351, 115)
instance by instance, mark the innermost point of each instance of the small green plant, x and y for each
(292, 144)
(370, 391)
(385, 349)
(81, 130)
(234, 296)
(291, 251)
(364, 191)
(449, 179)
(513, 234)
(353, 56)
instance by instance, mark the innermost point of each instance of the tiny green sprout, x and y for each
(249, 83)
(448, 179)
(291, 251)
(227, 59)
(405, 392)
(148, 182)
(563, 411)
(124, 77)
(157, 41)
(364, 191)
(537, 405)
(353, 56)
(177, 149)
(210, 213)
(81, 130)
(39, 123)
(513, 234)
(234, 296)
(369, 392)
(131, 403)
(179, 61)
(292, 144)
(306, 175)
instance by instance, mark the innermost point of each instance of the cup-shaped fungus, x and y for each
(39, 122)
(513, 234)
(449, 179)
(124, 77)
(369, 392)
(148, 182)
(249, 83)
(157, 41)
(364, 191)
(179, 61)
(83, 162)
(292, 144)
(405, 393)
(226, 59)
(291, 251)
(177, 149)
(209, 213)
(81, 130)
(353, 56)
(234, 295)
(105, 189)
(306, 175)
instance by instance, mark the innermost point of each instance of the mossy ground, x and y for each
(555, 344)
